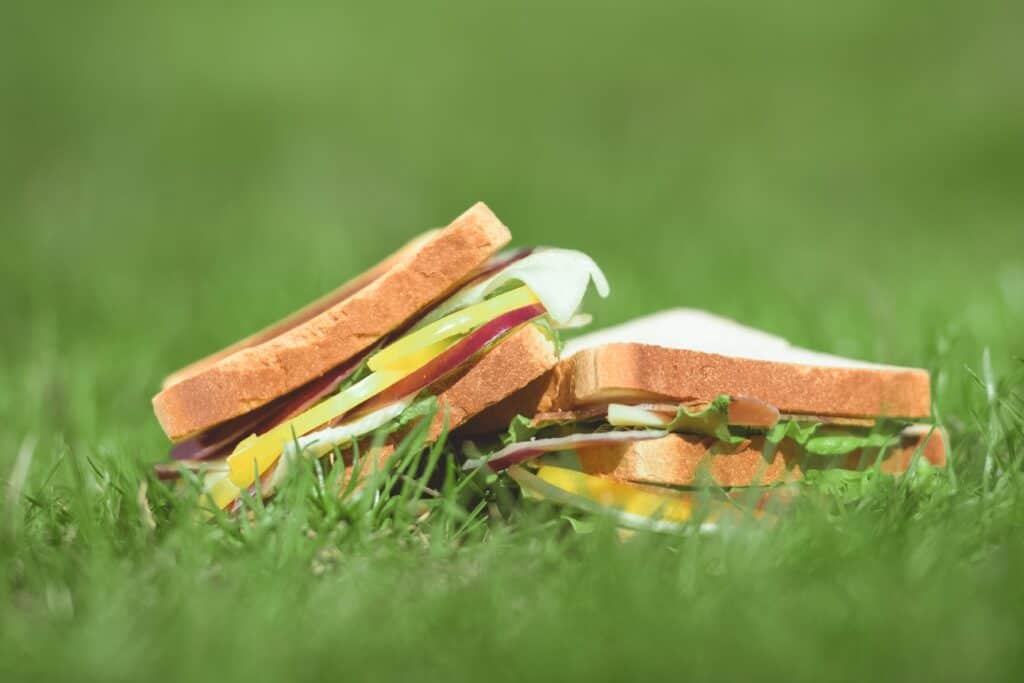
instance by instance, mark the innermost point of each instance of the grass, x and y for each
(172, 178)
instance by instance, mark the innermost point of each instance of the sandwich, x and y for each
(447, 326)
(635, 418)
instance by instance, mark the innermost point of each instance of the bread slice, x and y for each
(303, 314)
(508, 367)
(688, 460)
(331, 331)
(629, 371)
(519, 359)
(671, 356)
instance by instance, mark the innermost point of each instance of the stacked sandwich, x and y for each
(636, 416)
(447, 320)
(627, 421)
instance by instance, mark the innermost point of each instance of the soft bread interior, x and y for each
(694, 330)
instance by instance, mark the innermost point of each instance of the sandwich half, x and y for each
(446, 321)
(682, 398)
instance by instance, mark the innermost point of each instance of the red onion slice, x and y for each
(220, 440)
(513, 454)
(453, 358)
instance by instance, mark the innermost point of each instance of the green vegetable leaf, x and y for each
(520, 429)
(795, 431)
(712, 421)
(423, 408)
(841, 444)
(833, 442)
(544, 323)
(360, 372)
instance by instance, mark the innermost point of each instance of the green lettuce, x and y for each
(819, 439)
(549, 330)
(815, 438)
(713, 420)
(424, 408)
(520, 429)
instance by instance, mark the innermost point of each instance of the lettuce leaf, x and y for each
(819, 439)
(424, 408)
(713, 420)
(520, 429)
(552, 333)
(795, 431)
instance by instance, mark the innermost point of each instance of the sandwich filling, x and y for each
(575, 457)
(384, 389)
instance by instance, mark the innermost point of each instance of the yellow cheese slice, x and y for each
(620, 497)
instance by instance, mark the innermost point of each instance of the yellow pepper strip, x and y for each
(255, 455)
(265, 449)
(417, 359)
(447, 327)
(220, 491)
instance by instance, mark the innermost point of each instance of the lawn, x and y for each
(175, 176)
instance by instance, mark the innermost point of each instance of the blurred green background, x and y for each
(175, 175)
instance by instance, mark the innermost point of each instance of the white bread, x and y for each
(508, 367)
(695, 330)
(688, 460)
(331, 331)
(651, 359)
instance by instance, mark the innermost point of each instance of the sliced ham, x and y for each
(744, 411)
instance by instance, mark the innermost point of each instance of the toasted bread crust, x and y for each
(536, 397)
(508, 367)
(627, 369)
(303, 347)
(630, 373)
(687, 460)
(516, 361)
(303, 314)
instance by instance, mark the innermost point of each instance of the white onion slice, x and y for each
(559, 278)
(320, 443)
(620, 415)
